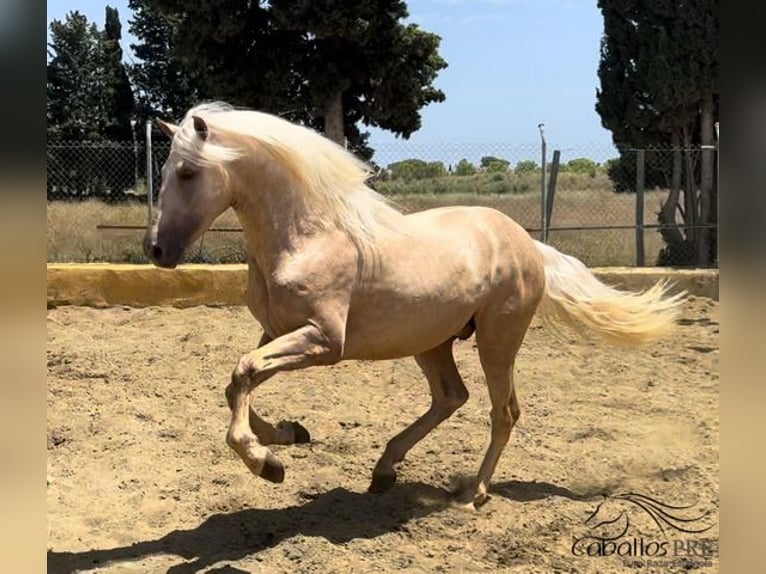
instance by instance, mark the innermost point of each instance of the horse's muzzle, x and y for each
(158, 254)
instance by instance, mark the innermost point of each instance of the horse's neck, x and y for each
(273, 221)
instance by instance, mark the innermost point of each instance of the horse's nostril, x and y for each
(156, 252)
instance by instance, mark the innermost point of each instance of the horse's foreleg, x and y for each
(305, 347)
(285, 432)
(448, 393)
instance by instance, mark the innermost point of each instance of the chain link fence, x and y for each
(98, 198)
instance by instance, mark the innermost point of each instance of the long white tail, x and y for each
(580, 300)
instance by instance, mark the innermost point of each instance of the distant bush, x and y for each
(582, 165)
(465, 167)
(492, 164)
(526, 166)
(410, 169)
(498, 166)
(480, 183)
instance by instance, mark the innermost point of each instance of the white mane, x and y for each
(330, 180)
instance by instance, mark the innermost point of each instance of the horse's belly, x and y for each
(392, 331)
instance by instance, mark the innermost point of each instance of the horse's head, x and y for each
(194, 192)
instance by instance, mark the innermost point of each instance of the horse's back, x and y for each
(430, 277)
(483, 235)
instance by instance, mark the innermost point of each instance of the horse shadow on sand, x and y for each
(338, 515)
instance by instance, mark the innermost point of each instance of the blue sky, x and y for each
(512, 65)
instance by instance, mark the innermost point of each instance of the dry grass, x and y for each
(588, 208)
(73, 235)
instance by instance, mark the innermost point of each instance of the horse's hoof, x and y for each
(480, 500)
(292, 432)
(273, 471)
(382, 482)
(302, 435)
(469, 501)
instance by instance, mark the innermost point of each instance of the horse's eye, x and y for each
(186, 173)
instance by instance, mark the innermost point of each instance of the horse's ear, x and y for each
(200, 127)
(167, 129)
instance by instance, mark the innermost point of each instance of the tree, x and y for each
(117, 95)
(330, 64)
(486, 161)
(659, 87)
(88, 92)
(526, 166)
(582, 165)
(465, 167)
(498, 166)
(165, 87)
(89, 99)
(72, 103)
(409, 169)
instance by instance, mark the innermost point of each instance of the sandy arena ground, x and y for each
(141, 480)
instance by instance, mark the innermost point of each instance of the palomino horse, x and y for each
(336, 273)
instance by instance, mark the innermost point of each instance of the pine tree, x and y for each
(72, 94)
(165, 87)
(117, 95)
(659, 87)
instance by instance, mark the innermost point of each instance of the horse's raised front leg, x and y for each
(304, 347)
(448, 393)
(285, 432)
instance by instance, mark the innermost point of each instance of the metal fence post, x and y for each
(149, 177)
(551, 191)
(543, 190)
(136, 176)
(717, 160)
(640, 256)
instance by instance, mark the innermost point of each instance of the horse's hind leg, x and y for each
(498, 343)
(448, 393)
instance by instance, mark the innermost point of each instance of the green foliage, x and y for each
(526, 166)
(486, 161)
(89, 98)
(165, 86)
(582, 165)
(659, 76)
(465, 167)
(88, 92)
(658, 59)
(410, 169)
(415, 177)
(498, 166)
(117, 94)
(72, 94)
(298, 58)
(622, 173)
